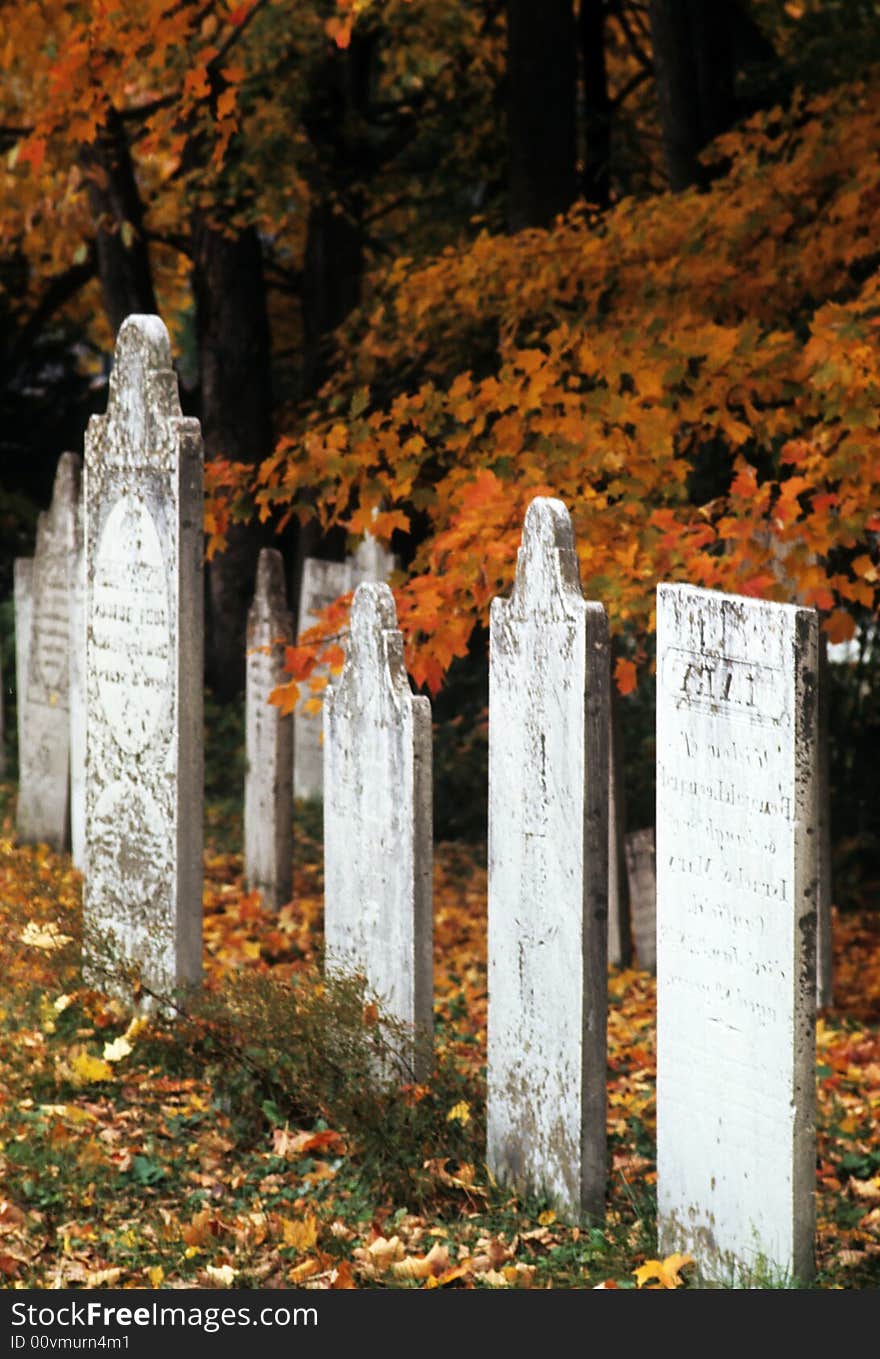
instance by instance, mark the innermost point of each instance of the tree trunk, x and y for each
(694, 67)
(234, 370)
(597, 104)
(122, 252)
(541, 77)
(334, 268)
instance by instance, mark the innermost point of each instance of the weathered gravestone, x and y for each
(23, 603)
(268, 801)
(377, 820)
(641, 873)
(77, 662)
(44, 750)
(144, 546)
(322, 582)
(736, 915)
(548, 875)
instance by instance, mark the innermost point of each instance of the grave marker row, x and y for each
(737, 860)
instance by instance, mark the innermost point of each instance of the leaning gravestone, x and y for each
(377, 821)
(143, 538)
(548, 875)
(44, 751)
(322, 582)
(23, 603)
(77, 662)
(736, 912)
(641, 872)
(268, 801)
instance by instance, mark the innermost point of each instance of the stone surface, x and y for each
(548, 875)
(736, 917)
(144, 646)
(641, 872)
(322, 582)
(377, 820)
(77, 662)
(44, 752)
(268, 801)
(23, 603)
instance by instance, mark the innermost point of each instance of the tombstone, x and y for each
(144, 644)
(23, 602)
(377, 821)
(641, 872)
(549, 720)
(322, 582)
(736, 932)
(44, 750)
(268, 801)
(77, 662)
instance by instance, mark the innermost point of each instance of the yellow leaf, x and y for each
(545, 1219)
(155, 1275)
(460, 1113)
(88, 1069)
(300, 1235)
(666, 1272)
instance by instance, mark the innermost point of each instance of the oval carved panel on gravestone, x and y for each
(131, 633)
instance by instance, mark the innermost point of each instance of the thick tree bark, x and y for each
(234, 370)
(122, 252)
(694, 64)
(597, 103)
(541, 75)
(332, 276)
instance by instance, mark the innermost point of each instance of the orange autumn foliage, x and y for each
(695, 375)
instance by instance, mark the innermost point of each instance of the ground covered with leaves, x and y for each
(245, 1144)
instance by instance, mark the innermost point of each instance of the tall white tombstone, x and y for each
(641, 872)
(144, 644)
(736, 905)
(377, 820)
(268, 801)
(322, 582)
(23, 603)
(44, 753)
(548, 875)
(77, 663)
